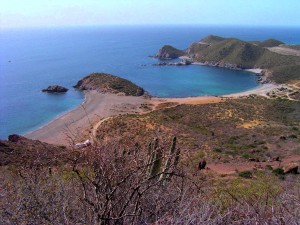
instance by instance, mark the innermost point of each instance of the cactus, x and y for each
(155, 155)
(177, 156)
(157, 159)
(150, 148)
(150, 157)
(154, 158)
(168, 161)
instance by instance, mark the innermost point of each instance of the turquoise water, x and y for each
(32, 59)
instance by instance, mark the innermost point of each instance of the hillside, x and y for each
(20, 151)
(211, 39)
(270, 43)
(231, 51)
(237, 54)
(107, 83)
(232, 131)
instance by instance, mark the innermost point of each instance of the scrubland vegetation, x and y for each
(143, 169)
(139, 185)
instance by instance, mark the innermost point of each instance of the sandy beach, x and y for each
(262, 89)
(76, 125)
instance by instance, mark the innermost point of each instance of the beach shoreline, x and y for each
(73, 126)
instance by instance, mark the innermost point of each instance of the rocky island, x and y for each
(55, 89)
(107, 83)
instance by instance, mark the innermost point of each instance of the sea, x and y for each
(34, 58)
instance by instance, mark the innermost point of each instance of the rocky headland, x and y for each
(232, 53)
(107, 83)
(169, 52)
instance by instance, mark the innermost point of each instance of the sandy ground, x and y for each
(71, 127)
(260, 90)
(188, 100)
(285, 51)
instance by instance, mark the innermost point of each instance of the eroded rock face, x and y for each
(15, 138)
(55, 89)
(291, 168)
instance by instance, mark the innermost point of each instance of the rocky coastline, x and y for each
(262, 75)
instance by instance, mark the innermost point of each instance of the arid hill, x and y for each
(233, 53)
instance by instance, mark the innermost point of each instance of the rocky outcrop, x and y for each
(16, 138)
(55, 89)
(182, 63)
(107, 83)
(223, 65)
(291, 168)
(169, 52)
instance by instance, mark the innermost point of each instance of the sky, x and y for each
(36, 13)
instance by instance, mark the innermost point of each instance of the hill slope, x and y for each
(270, 43)
(219, 51)
(212, 39)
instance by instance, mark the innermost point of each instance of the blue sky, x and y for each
(35, 13)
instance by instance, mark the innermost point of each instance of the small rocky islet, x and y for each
(55, 89)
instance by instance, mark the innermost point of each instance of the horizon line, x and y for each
(152, 25)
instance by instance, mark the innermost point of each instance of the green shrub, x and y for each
(217, 150)
(269, 167)
(279, 173)
(246, 174)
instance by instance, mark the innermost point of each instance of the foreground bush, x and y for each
(141, 185)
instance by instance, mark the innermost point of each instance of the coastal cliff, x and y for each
(107, 83)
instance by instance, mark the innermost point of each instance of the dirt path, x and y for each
(95, 128)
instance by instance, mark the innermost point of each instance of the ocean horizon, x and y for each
(34, 58)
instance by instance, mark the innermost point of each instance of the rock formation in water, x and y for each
(55, 89)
